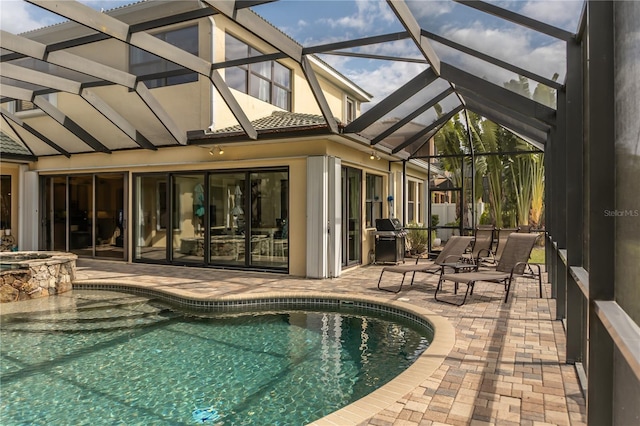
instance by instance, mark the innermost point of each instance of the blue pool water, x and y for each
(118, 359)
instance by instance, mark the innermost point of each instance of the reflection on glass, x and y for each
(55, 213)
(81, 215)
(109, 216)
(188, 218)
(352, 215)
(151, 211)
(269, 219)
(227, 218)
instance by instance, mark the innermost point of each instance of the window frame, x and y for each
(350, 109)
(256, 73)
(371, 203)
(162, 66)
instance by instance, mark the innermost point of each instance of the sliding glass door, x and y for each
(236, 219)
(84, 214)
(351, 216)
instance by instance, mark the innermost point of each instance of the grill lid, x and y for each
(389, 224)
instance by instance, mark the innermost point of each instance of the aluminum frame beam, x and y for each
(116, 119)
(119, 30)
(75, 88)
(536, 137)
(78, 131)
(366, 41)
(161, 114)
(492, 60)
(86, 66)
(516, 18)
(405, 16)
(407, 119)
(319, 95)
(440, 121)
(55, 114)
(502, 110)
(383, 107)
(37, 50)
(258, 27)
(498, 94)
(8, 116)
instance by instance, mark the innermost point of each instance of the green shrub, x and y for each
(417, 238)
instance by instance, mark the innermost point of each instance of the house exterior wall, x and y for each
(198, 106)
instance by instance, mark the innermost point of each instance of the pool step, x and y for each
(88, 318)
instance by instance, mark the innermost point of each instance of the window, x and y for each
(414, 202)
(158, 72)
(373, 200)
(268, 81)
(411, 202)
(350, 110)
(25, 106)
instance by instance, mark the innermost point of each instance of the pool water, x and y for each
(126, 360)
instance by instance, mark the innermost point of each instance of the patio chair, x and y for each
(503, 234)
(514, 259)
(451, 253)
(482, 243)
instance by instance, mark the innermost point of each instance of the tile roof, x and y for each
(281, 121)
(8, 146)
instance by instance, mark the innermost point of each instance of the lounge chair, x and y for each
(482, 243)
(451, 253)
(517, 251)
(503, 234)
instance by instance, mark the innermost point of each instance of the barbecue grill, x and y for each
(390, 241)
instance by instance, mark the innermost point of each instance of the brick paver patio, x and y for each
(506, 366)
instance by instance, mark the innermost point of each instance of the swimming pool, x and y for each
(123, 359)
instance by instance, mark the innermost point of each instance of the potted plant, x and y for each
(417, 238)
(435, 241)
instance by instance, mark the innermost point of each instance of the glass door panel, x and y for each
(227, 226)
(352, 216)
(109, 214)
(269, 210)
(81, 215)
(151, 218)
(188, 218)
(55, 213)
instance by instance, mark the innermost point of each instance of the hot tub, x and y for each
(32, 274)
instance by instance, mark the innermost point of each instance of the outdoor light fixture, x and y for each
(374, 156)
(217, 149)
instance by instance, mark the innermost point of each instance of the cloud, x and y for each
(369, 15)
(384, 79)
(513, 46)
(18, 17)
(563, 13)
(430, 8)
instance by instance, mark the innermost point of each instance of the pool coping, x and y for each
(358, 411)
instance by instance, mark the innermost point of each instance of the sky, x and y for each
(315, 22)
